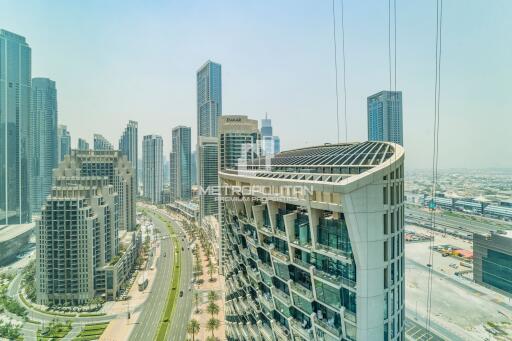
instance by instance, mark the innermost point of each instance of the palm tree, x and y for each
(212, 309)
(211, 269)
(212, 325)
(212, 296)
(196, 298)
(193, 328)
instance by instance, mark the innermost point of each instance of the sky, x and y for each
(119, 60)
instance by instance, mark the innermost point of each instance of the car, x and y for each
(181, 293)
(429, 265)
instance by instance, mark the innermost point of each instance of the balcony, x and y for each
(335, 252)
(297, 327)
(282, 296)
(266, 267)
(350, 316)
(304, 265)
(267, 301)
(276, 253)
(301, 290)
(329, 326)
(266, 332)
(254, 274)
(281, 332)
(334, 279)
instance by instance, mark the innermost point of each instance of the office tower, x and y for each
(152, 164)
(180, 164)
(101, 143)
(193, 167)
(82, 144)
(492, 261)
(78, 244)
(238, 141)
(385, 117)
(15, 93)
(207, 162)
(209, 98)
(129, 145)
(44, 139)
(209, 109)
(172, 177)
(106, 163)
(314, 247)
(166, 172)
(270, 144)
(63, 142)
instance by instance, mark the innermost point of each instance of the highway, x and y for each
(153, 308)
(454, 223)
(183, 309)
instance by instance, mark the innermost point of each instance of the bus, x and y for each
(143, 282)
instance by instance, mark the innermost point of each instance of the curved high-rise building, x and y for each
(313, 244)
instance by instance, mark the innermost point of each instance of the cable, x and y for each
(435, 156)
(344, 69)
(336, 71)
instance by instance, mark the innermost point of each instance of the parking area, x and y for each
(415, 332)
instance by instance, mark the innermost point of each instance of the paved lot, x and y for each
(416, 332)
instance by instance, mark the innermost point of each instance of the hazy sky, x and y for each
(120, 60)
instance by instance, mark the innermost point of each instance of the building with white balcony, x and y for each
(313, 244)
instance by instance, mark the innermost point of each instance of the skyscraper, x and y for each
(270, 144)
(385, 117)
(82, 144)
(101, 143)
(44, 139)
(152, 163)
(316, 243)
(207, 167)
(238, 141)
(209, 109)
(180, 163)
(63, 141)
(15, 93)
(209, 98)
(111, 164)
(129, 145)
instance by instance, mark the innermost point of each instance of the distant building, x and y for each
(129, 145)
(209, 109)
(152, 161)
(44, 139)
(193, 167)
(385, 121)
(13, 240)
(238, 140)
(207, 162)
(209, 98)
(492, 261)
(64, 141)
(106, 163)
(181, 182)
(82, 144)
(101, 143)
(270, 144)
(15, 90)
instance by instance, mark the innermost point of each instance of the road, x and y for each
(153, 308)
(151, 315)
(444, 220)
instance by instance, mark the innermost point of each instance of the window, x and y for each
(385, 195)
(386, 251)
(385, 223)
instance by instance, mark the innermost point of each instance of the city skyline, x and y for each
(258, 88)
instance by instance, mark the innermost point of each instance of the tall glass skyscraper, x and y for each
(152, 164)
(209, 109)
(63, 141)
(385, 117)
(82, 144)
(270, 144)
(15, 93)
(129, 145)
(181, 183)
(209, 98)
(44, 139)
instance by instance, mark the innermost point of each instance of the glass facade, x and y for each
(497, 270)
(15, 153)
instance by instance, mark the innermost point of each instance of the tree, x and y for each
(213, 309)
(196, 299)
(193, 328)
(212, 325)
(211, 269)
(212, 296)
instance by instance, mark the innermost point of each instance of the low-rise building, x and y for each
(12, 240)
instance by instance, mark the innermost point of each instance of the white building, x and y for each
(152, 164)
(313, 245)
